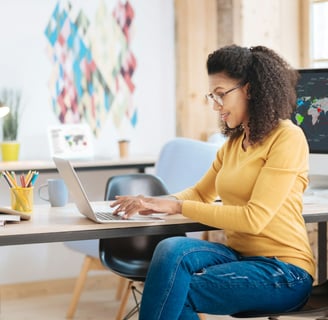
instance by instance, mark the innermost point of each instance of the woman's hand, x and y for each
(131, 205)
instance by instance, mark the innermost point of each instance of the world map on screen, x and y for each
(311, 112)
(315, 108)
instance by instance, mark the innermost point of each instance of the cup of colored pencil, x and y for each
(21, 192)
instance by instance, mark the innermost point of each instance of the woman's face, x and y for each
(235, 103)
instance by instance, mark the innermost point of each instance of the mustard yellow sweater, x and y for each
(261, 191)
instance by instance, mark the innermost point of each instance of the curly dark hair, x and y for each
(272, 83)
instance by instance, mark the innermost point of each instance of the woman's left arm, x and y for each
(286, 165)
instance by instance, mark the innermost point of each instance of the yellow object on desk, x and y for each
(22, 199)
(10, 150)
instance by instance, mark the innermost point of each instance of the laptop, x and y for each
(95, 212)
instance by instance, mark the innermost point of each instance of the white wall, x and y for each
(272, 23)
(24, 64)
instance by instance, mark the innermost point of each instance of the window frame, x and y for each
(307, 59)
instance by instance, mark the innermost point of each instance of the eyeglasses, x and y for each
(218, 98)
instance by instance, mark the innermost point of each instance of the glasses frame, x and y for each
(218, 98)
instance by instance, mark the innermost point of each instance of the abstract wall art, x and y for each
(92, 64)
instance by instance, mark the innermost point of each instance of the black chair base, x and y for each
(317, 306)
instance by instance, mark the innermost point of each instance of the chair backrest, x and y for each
(183, 161)
(134, 184)
(130, 257)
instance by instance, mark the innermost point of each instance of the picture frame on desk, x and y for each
(71, 141)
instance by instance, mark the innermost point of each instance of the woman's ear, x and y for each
(246, 89)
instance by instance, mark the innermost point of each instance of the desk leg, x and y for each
(322, 251)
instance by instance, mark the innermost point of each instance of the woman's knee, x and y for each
(171, 247)
(170, 244)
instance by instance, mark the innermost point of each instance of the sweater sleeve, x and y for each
(286, 162)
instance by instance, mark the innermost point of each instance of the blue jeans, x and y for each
(189, 276)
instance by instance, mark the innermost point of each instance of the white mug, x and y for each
(57, 192)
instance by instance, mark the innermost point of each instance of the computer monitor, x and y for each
(311, 115)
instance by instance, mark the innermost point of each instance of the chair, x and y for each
(133, 184)
(182, 161)
(130, 257)
(317, 306)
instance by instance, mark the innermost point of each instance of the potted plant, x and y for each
(10, 124)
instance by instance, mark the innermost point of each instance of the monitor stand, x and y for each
(318, 185)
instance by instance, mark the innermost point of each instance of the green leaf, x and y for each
(10, 124)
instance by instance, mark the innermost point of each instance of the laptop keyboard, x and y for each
(107, 216)
(104, 214)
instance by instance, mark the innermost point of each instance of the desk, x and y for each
(51, 224)
(133, 162)
(66, 224)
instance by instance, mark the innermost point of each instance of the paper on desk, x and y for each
(8, 212)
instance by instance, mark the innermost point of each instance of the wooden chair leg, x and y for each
(205, 237)
(201, 316)
(122, 282)
(89, 263)
(78, 287)
(124, 300)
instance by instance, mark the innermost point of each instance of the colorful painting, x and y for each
(93, 65)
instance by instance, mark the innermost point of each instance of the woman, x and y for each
(260, 175)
